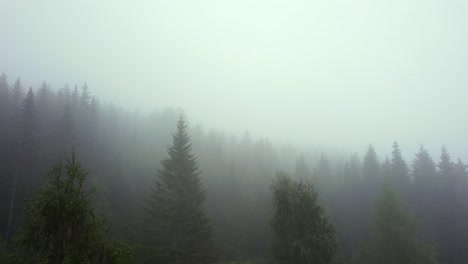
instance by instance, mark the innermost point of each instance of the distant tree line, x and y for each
(212, 198)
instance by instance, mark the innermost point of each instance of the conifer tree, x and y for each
(394, 236)
(26, 151)
(424, 168)
(399, 170)
(17, 94)
(4, 103)
(425, 195)
(385, 169)
(302, 171)
(85, 98)
(446, 166)
(449, 214)
(179, 230)
(371, 165)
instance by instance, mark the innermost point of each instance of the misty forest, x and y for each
(89, 182)
(233, 132)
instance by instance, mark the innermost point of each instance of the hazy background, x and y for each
(326, 73)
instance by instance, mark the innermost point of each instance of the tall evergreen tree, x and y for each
(394, 236)
(399, 170)
(323, 176)
(425, 191)
(385, 169)
(446, 166)
(17, 94)
(302, 234)
(179, 229)
(460, 170)
(424, 169)
(26, 153)
(85, 98)
(371, 165)
(4, 102)
(449, 212)
(302, 171)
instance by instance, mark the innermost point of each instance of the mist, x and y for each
(298, 87)
(331, 74)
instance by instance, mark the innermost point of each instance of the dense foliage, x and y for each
(179, 231)
(302, 232)
(60, 225)
(394, 236)
(124, 149)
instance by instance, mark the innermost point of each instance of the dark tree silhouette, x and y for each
(179, 229)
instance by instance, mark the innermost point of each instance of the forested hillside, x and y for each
(128, 155)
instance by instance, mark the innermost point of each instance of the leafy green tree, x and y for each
(301, 231)
(60, 225)
(394, 236)
(179, 230)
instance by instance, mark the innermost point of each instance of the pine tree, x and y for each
(425, 195)
(302, 171)
(17, 93)
(75, 97)
(399, 170)
(371, 165)
(323, 175)
(179, 229)
(446, 166)
(460, 170)
(85, 98)
(27, 125)
(302, 233)
(449, 212)
(26, 153)
(424, 168)
(60, 225)
(4, 103)
(394, 236)
(386, 168)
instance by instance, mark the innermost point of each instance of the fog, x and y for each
(333, 74)
(234, 132)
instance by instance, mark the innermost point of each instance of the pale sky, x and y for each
(330, 73)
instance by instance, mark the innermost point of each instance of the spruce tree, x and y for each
(425, 187)
(449, 216)
(424, 169)
(371, 165)
(17, 93)
(179, 230)
(385, 169)
(394, 236)
(399, 170)
(446, 166)
(4, 103)
(302, 234)
(302, 171)
(25, 153)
